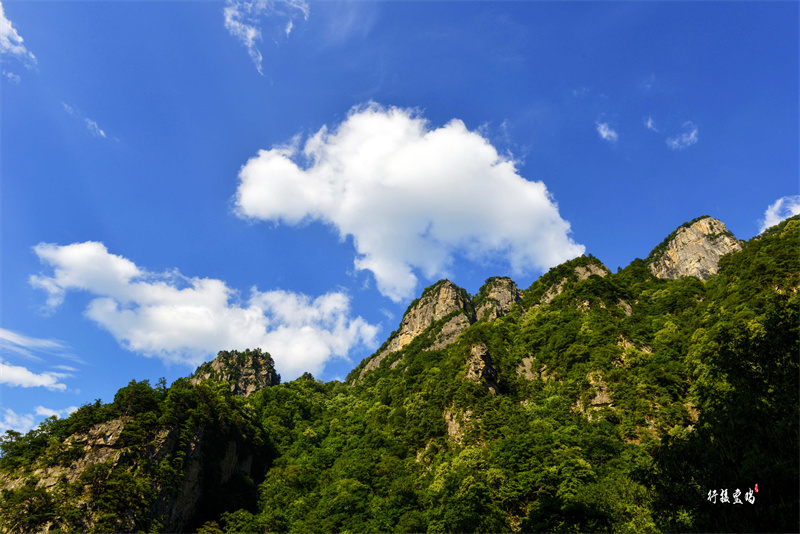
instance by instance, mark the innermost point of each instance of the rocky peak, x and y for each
(247, 371)
(555, 281)
(694, 249)
(496, 297)
(437, 301)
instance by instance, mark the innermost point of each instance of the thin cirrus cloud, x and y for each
(606, 132)
(781, 209)
(188, 320)
(411, 196)
(244, 18)
(91, 125)
(686, 139)
(650, 124)
(23, 345)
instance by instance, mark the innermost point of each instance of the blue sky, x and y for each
(180, 178)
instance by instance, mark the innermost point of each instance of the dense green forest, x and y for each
(619, 403)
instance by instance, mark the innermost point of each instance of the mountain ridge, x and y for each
(582, 403)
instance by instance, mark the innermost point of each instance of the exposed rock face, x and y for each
(499, 294)
(582, 272)
(694, 250)
(247, 371)
(450, 331)
(526, 369)
(454, 421)
(480, 367)
(436, 302)
(553, 292)
(101, 444)
(588, 270)
(98, 445)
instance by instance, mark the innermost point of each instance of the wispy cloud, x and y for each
(187, 320)
(22, 345)
(22, 423)
(94, 128)
(606, 132)
(685, 139)
(781, 209)
(11, 76)
(580, 92)
(650, 124)
(14, 421)
(11, 42)
(244, 19)
(48, 412)
(91, 125)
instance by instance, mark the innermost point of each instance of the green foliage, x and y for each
(615, 407)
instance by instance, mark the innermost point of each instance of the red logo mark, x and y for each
(756, 488)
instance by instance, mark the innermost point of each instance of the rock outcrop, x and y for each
(437, 302)
(694, 249)
(567, 274)
(101, 450)
(480, 369)
(496, 297)
(247, 371)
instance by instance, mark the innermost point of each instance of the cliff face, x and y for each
(693, 250)
(247, 372)
(438, 301)
(496, 297)
(102, 460)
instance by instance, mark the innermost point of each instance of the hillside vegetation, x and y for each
(594, 402)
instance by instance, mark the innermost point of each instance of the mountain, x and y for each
(694, 249)
(590, 401)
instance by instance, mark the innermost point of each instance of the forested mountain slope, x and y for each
(591, 401)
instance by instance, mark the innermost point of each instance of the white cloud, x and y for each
(15, 375)
(91, 125)
(11, 76)
(650, 124)
(30, 342)
(24, 422)
(243, 19)
(22, 345)
(410, 196)
(12, 421)
(188, 320)
(11, 42)
(781, 209)
(94, 128)
(606, 132)
(47, 412)
(686, 139)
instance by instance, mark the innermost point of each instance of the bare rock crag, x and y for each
(247, 371)
(436, 302)
(693, 250)
(499, 294)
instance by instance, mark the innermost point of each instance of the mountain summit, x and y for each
(693, 249)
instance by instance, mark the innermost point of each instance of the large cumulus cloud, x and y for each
(411, 197)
